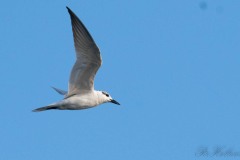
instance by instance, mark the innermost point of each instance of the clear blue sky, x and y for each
(173, 65)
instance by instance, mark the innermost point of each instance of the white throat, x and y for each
(101, 97)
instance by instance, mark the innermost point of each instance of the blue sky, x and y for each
(173, 65)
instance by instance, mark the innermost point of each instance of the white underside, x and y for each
(80, 101)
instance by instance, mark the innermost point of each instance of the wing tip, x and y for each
(69, 10)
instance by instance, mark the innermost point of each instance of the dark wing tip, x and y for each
(68, 8)
(70, 11)
(78, 25)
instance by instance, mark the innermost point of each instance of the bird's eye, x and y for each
(105, 94)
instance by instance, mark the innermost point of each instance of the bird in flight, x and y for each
(81, 93)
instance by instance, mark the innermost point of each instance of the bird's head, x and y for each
(105, 97)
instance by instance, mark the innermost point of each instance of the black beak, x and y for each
(115, 102)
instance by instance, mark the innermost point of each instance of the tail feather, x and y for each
(45, 108)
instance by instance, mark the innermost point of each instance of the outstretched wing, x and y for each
(88, 59)
(60, 91)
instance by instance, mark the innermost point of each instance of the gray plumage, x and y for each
(81, 93)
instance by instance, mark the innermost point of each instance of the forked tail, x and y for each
(45, 108)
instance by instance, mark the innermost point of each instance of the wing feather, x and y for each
(88, 59)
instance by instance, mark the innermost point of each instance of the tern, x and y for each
(81, 93)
